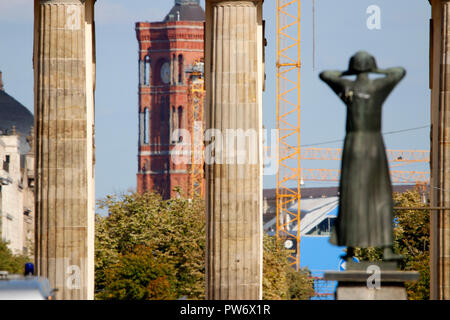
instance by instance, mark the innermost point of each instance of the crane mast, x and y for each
(196, 93)
(288, 125)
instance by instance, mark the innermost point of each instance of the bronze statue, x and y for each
(365, 217)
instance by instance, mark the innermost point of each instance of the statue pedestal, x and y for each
(371, 281)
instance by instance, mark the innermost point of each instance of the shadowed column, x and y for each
(440, 147)
(233, 69)
(64, 122)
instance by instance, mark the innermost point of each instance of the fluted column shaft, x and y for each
(234, 202)
(64, 66)
(440, 147)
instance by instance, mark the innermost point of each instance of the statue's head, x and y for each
(362, 61)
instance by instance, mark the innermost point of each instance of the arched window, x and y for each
(146, 165)
(180, 68)
(180, 117)
(146, 126)
(174, 69)
(141, 72)
(173, 122)
(147, 71)
(180, 122)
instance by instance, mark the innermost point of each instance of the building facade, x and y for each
(167, 51)
(16, 175)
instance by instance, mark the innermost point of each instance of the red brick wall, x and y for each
(160, 41)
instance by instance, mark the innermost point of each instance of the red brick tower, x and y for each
(166, 50)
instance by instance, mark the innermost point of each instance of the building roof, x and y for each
(326, 192)
(316, 205)
(307, 193)
(312, 212)
(186, 10)
(13, 113)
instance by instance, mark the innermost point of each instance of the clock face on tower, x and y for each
(165, 72)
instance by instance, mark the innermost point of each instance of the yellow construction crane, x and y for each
(397, 176)
(196, 94)
(393, 155)
(396, 158)
(288, 124)
(400, 156)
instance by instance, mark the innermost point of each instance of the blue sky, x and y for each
(341, 30)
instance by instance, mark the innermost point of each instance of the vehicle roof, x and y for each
(21, 295)
(24, 288)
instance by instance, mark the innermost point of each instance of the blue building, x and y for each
(316, 252)
(318, 213)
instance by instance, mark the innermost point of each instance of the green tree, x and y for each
(301, 286)
(275, 266)
(411, 240)
(147, 243)
(149, 248)
(11, 262)
(138, 275)
(281, 281)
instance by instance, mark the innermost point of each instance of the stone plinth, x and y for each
(233, 69)
(358, 291)
(371, 281)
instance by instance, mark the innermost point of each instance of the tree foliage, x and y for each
(301, 286)
(11, 262)
(281, 281)
(149, 248)
(411, 240)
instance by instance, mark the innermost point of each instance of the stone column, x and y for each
(233, 66)
(440, 148)
(64, 121)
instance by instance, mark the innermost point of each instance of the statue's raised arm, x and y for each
(393, 77)
(335, 80)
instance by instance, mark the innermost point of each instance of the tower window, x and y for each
(180, 117)
(147, 71)
(180, 68)
(173, 123)
(146, 126)
(175, 68)
(180, 122)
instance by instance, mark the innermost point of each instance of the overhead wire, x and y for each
(384, 133)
